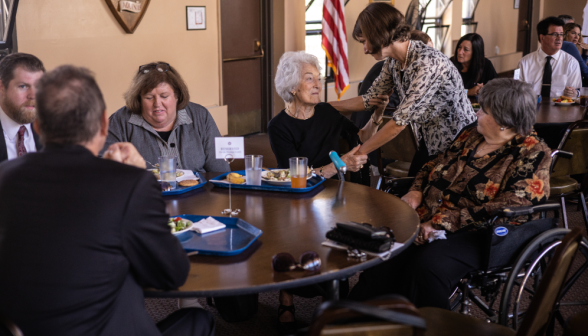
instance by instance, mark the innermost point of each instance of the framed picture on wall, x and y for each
(516, 4)
(195, 17)
(387, 1)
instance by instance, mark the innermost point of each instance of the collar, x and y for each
(11, 127)
(474, 138)
(182, 118)
(542, 54)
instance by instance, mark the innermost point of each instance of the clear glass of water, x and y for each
(167, 170)
(253, 165)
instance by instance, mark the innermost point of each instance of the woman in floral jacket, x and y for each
(500, 163)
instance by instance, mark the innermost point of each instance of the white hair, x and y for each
(289, 72)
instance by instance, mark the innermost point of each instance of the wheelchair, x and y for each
(515, 259)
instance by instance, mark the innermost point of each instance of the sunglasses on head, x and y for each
(161, 67)
(308, 261)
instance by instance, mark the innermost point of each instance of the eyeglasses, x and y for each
(308, 261)
(556, 35)
(161, 67)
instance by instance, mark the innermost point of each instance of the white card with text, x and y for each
(231, 146)
(517, 74)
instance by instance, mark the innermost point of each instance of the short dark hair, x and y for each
(417, 35)
(69, 106)
(381, 24)
(512, 103)
(566, 18)
(145, 82)
(543, 25)
(478, 60)
(10, 62)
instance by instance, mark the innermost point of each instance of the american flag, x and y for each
(335, 43)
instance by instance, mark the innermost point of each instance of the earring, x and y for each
(293, 93)
(502, 128)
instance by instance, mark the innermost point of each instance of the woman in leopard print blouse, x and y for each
(430, 88)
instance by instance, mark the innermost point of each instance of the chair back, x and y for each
(575, 140)
(389, 315)
(402, 148)
(540, 310)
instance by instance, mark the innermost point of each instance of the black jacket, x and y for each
(80, 237)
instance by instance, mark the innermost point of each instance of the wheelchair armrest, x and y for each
(527, 210)
(398, 186)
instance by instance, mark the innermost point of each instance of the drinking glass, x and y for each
(298, 171)
(167, 169)
(253, 165)
(584, 96)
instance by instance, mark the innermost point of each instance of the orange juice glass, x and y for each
(298, 171)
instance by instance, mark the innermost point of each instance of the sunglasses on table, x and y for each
(161, 67)
(308, 261)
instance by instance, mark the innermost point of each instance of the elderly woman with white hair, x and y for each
(309, 128)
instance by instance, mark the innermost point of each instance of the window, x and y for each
(467, 13)
(314, 17)
(433, 21)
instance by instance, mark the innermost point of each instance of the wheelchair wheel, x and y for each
(526, 274)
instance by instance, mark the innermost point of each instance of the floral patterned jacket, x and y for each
(457, 194)
(431, 95)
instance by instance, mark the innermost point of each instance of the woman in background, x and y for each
(475, 69)
(573, 33)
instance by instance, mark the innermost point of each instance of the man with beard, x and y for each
(18, 74)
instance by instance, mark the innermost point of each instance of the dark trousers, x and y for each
(421, 157)
(424, 274)
(188, 322)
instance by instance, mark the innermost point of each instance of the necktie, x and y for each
(20, 146)
(546, 87)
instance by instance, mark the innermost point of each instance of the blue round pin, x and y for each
(501, 231)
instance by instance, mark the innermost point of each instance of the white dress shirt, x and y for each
(565, 71)
(10, 128)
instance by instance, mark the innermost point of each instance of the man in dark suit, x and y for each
(18, 74)
(81, 236)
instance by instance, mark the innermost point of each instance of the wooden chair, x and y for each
(571, 158)
(7, 328)
(402, 149)
(441, 322)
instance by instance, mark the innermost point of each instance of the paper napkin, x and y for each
(207, 225)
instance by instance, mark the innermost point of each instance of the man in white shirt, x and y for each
(19, 73)
(561, 76)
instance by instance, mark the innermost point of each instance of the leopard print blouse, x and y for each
(431, 94)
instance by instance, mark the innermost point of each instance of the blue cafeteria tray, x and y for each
(311, 183)
(181, 190)
(232, 240)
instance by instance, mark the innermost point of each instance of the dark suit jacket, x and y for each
(79, 238)
(3, 151)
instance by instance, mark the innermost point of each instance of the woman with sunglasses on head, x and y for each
(159, 119)
(475, 69)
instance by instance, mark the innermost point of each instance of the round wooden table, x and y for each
(547, 113)
(552, 121)
(293, 223)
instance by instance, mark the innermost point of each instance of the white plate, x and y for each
(190, 223)
(286, 182)
(563, 104)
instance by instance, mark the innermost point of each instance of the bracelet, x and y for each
(377, 123)
(321, 172)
